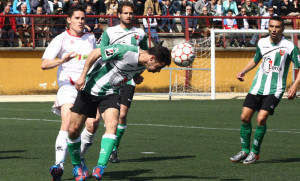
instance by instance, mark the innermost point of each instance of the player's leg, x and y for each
(248, 111)
(88, 133)
(126, 94)
(109, 109)
(269, 104)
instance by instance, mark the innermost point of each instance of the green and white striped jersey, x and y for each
(271, 75)
(118, 64)
(118, 35)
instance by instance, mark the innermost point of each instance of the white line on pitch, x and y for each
(171, 126)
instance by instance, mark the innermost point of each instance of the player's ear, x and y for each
(69, 20)
(152, 58)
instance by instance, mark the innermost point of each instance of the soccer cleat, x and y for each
(56, 172)
(84, 168)
(239, 156)
(98, 172)
(251, 158)
(114, 157)
(78, 173)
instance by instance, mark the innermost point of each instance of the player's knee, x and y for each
(123, 117)
(92, 126)
(245, 118)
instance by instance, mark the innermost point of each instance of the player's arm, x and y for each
(293, 90)
(91, 59)
(49, 64)
(251, 65)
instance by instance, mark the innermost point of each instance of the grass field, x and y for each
(165, 140)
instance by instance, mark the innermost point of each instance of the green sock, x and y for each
(74, 150)
(245, 133)
(258, 138)
(107, 144)
(120, 131)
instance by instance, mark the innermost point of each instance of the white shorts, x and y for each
(65, 94)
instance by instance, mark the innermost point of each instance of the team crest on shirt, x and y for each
(281, 52)
(136, 36)
(72, 42)
(111, 51)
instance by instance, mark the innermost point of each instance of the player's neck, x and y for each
(275, 40)
(125, 26)
(74, 33)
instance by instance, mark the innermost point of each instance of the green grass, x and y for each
(191, 140)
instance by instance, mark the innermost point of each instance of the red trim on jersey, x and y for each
(71, 81)
(68, 31)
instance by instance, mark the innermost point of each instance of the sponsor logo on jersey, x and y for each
(276, 69)
(81, 57)
(281, 52)
(109, 52)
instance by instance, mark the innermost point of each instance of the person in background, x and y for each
(17, 6)
(24, 25)
(205, 24)
(40, 3)
(7, 28)
(152, 26)
(58, 25)
(200, 4)
(231, 24)
(230, 5)
(42, 27)
(168, 10)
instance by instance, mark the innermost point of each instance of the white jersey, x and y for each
(272, 73)
(70, 71)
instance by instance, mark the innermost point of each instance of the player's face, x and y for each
(155, 66)
(275, 30)
(77, 22)
(126, 17)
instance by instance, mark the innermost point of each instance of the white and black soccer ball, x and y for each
(183, 54)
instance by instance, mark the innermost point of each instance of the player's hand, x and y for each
(79, 84)
(240, 76)
(68, 57)
(139, 79)
(292, 92)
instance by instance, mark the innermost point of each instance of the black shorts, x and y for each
(126, 94)
(261, 102)
(87, 104)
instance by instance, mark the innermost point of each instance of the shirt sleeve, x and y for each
(295, 55)
(258, 55)
(53, 49)
(116, 51)
(104, 39)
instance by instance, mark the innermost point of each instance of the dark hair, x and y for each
(125, 3)
(76, 7)
(229, 11)
(278, 18)
(161, 53)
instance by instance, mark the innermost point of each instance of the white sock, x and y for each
(61, 148)
(87, 139)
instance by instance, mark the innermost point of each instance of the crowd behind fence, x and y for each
(34, 23)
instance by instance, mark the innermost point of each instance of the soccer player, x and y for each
(124, 33)
(100, 89)
(267, 88)
(72, 48)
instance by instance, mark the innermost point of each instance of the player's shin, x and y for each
(87, 139)
(74, 150)
(245, 134)
(120, 132)
(107, 144)
(258, 138)
(61, 148)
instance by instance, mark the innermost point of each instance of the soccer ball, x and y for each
(183, 54)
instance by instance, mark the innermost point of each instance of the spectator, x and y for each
(278, 4)
(98, 32)
(205, 24)
(242, 25)
(183, 6)
(200, 4)
(58, 25)
(262, 9)
(24, 25)
(7, 27)
(192, 22)
(100, 7)
(40, 3)
(231, 24)
(140, 6)
(54, 5)
(168, 10)
(213, 3)
(218, 11)
(17, 6)
(66, 6)
(41, 27)
(152, 27)
(251, 8)
(230, 5)
(293, 8)
(90, 23)
(111, 5)
(113, 21)
(265, 22)
(154, 4)
(1, 7)
(9, 3)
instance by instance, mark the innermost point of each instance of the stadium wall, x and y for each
(21, 73)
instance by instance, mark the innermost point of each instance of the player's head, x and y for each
(76, 19)
(160, 58)
(276, 28)
(126, 13)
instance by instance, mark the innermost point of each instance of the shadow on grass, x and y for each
(284, 160)
(11, 157)
(146, 159)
